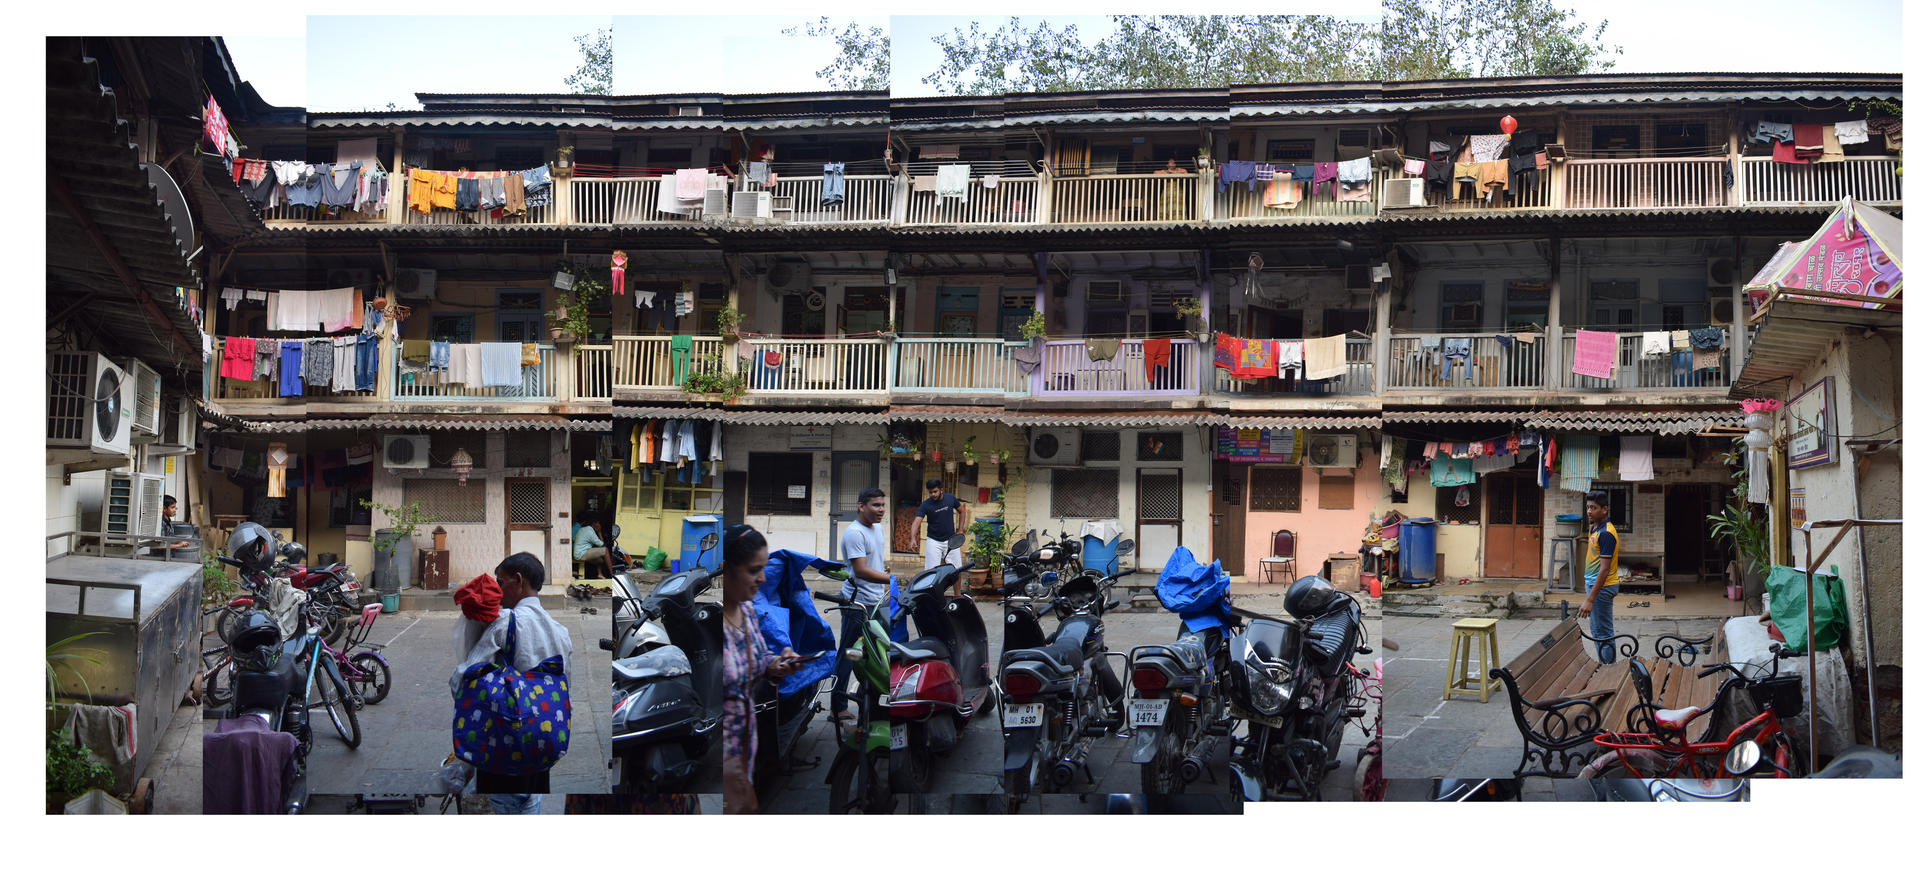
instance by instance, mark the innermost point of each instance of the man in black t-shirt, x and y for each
(944, 517)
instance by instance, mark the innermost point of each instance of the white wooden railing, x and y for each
(646, 362)
(1126, 198)
(1067, 370)
(954, 366)
(1647, 183)
(1870, 179)
(593, 372)
(1419, 362)
(823, 367)
(868, 199)
(1014, 200)
(1240, 203)
(624, 201)
(1633, 371)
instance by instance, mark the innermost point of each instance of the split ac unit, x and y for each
(1721, 272)
(146, 399)
(179, 428)
(753, 204)
(131, 508)
(404, 452)
(89, 403)
(716, 203)
(414, 283)
(790, 277)
(349, 277)
(1333, 450)
(1720, 306)
(1403, 192)
(1059, 446)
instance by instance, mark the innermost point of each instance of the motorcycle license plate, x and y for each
(1149, 711)
(1021, 716)
(897, 737)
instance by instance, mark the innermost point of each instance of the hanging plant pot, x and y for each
(952, 465)
(936, 455)
(555, 333)
(993, 458)
(916, 457)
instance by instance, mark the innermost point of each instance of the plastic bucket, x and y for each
(1567, 525)
(674, 566)
(1097, 554)
(390, 603)
(1418, 550)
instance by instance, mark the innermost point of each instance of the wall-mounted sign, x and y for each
(1258, 446)
(1810, 426)
(817, 438)
(1797, 506)
(796, 492)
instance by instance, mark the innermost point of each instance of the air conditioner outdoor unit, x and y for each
(753, 204)
(1403, 192)
(1468, 313)
(1333, 450)
(1720, 306)
(131, 508)
(146, 399)
(414, 283)
(403, 452)
(716, 204)
(1721, 272)
(348, 277)
(1059, 446)
(790, 277)
(89, 403)
(179, 428)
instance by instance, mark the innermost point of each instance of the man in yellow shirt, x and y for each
(1603, 572)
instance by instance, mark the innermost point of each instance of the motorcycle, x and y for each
(1061, 691)
(332, 586)
(666, 699)
(1293, 682)
(939, 680)
(789, 619)
(268, 713)
(859, 780)
(1178, 712)
(1050, 560)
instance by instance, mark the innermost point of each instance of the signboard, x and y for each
(1797, 506)
(1836, 263)
(1810, 426)
(796, 492)
(1258, 446)
(817, 438)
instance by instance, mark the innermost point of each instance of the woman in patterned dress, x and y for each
(746, 660)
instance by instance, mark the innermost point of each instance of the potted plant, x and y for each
(936, 455)
(728, 321)
(72, 770)
(966, 452)
(709, 376)
(889, 334)
(1742, 524)
(1203, 159)
(989, 545)
(569, 320)
(563, 161)
(1189, 309)
(1035, 326)
(403, 524)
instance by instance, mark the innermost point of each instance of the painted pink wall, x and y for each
(1317, 532)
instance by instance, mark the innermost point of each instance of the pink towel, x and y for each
(690, 184)
(1593, 353)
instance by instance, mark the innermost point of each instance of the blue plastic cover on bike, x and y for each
(1197, 592)
(788, 617)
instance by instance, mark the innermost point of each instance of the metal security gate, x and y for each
(528, 517)
(1158, 518)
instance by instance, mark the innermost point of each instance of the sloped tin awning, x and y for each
(434, 422)
(1856, 255)
(1664, 423)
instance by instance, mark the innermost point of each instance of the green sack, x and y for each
(655, 559)
(1787, 599)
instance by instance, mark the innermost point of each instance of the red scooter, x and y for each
(940, 678)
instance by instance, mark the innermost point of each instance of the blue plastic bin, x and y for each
(1418, 548)
(1098, 555)
(691, 530)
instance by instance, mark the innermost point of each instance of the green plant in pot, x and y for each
(1189, 310)
(711, 376)
(1742, 524)
(403, 524)
(989, 545)
(728, 322)
(1035, 326)
(72, 770)
(966, 452)
(569, 320)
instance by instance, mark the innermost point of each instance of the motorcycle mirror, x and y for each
(1744, 756)
(1124, 547)
(709, 541)
(615, 530)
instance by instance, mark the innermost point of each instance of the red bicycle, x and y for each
(1658, 747)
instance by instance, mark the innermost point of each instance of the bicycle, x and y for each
(366, 672)
(325, 679)
(1369, 771)
(1659, 748)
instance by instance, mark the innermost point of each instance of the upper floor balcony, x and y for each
(544, 376)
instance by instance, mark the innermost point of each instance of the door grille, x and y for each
(1160, 497)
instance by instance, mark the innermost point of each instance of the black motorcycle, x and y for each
(1178, 712)
(1293, 682)
(1061, 692)
(667, 698)
(1043, 562)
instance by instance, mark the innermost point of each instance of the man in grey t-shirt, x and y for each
(864, 547)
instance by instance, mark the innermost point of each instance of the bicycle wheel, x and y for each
(371, 680)
(339, 706)
(1785, 746)
(218, 685)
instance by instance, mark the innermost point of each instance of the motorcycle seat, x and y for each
(1061, 659)
(1188, 652)
(922, 649)
(1331, 637)
(1676, 719)
(667, 661)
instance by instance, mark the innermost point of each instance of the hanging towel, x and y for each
(1806, 137)
(833, 184)
(1027, 357)
(1707, 339)
(1449, 471)
(1491, 463)
(1830, 150)
(990, 182)
(1680, 340)
(1356, 171)
(463, 364)
(1783, 152)
(668, 199)
(500, 364)
(1655, 343)
(1102, 349)
(951, 182)
(1594, 353)
(1579, 463)
(417, 350)
(1325, 357)
(1636, 458)
(690, 184)
(1850, 132)
(529, 354)
(757, 172)
(1157, 352)
(336, 308)
(924, 182)
(1284, 193)
(1414, 167)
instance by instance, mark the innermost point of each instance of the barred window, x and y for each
(1101, 445)
(1274, 489)
(773, 480)
(529, 448)
(1160, 446)
(447, 500)
(1086, 493)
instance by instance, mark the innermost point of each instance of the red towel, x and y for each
(479, 599)
(1158, 351)
(236, 359)
(1807, 137)
(1783, 152)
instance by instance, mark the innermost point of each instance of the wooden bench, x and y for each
(1561, 696)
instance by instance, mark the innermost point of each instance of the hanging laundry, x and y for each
(1579, 463)
(335, 309)
(924, 182)
(529, 354)
(1324, 173)
(466, 194)
(1439, 175)
(493, 192)
(417, 350)
(1289, 355)
(667, 200)
(1438, 148)
(290, 374)
(1784, 153)
(1254, 360)
(690, 184)
(1449, 471)
(619, 277)
(1707, 339)
(500, 364)
(1356, 171)
(1830, 149)
(951, 182)
(344, 363)
(1680, 340)
(1771, 132)
(1493, 463)
(1156, 352)
(339, 185)
(266, 359)
(1806, 137)
(757, 172)
(1028, 357)
(1594, 353)
(1284, 192)
(1414, 167)
(514, 190)
(1653, 344)
(1636, 458)
(1234, 172)
(1704, 360)
(236, 359)
(1456, 349)
(1486, 147)
(713, 447)
(439, 355)
(1849, 133)
(366, 363)
(833, 184)
(990, 182)
(316, 364)
(1325, 357)
(1101, 350)
(539, 186)
(1355, 192)
(1492, 178)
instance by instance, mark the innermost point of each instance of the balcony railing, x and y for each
(1632, 371)
(646, 362)
(1240, 203)
(1871, 179)
(622, 201)
(1647, 183)
(232, 390)
(1480, 360)
(868, 199)
(548, 214)
(1516, 195)
(1127, 198)
(1014, 200)
(815, 367)
(1357, 380)
(593, 372)
(974, 366)
(1066, 370)
(536, 384)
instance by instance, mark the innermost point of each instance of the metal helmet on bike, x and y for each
(1310, 596)
(252, 545)
(256, 642)
(294, 552)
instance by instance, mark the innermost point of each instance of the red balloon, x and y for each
(1508, 125)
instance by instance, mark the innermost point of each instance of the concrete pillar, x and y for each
(1551, 380)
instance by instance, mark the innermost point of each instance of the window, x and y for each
(956, 309)
(448, 501)
(1274, 489)
(1619, 505)
(528, 448)
(1159, 447)
(1100, 446)
(1289, 150)
(1616, 141)
(1336, 492)
(1615, 304)
(1086, 493)
(1015, 307)
(1526, 304)
(779, 484)
(1459, 505)
(1671, 138)
(513, 299)
(1103, 160)
(456, 328)
(1460, 305)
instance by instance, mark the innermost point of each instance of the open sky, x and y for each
(302, 62)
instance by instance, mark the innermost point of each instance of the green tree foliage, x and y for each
(595, 76)
(1456, 39)
(866, 55)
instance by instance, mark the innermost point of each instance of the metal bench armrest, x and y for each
(1682, 651)
(1625, 646)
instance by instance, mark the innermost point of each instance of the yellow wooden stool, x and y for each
(1460, 678)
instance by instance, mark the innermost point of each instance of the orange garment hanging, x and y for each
(420, 190)
(443, 190)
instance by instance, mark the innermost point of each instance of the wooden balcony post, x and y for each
(1551, 380)
(1203, 194)
(1383, 332)
(1737, 344)
(564, 372)
(383, 389)
(892, 367)
(1043, 200)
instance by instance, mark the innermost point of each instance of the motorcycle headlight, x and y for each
(1036, 588)
(1269, 688)
(1664, 793)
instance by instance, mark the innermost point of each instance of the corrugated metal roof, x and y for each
(1670, 423)
(750, 418)
(1793, 334)
(1457, 415)
(1303, 422)
(1113, 419)
(1563, 99)
(947, 414)
(1092, 117)
(439, 119)
(435, 422)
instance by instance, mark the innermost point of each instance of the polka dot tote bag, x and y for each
(510, 721)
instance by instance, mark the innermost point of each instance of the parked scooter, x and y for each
(666, 699)
(1061, 690)
(860, 779)
(939, 679)
(1179, 708)
(1294, 683)
(633, 632)
(790, 620)
(268, 713)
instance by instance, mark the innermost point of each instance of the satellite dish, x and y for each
(816, 301)
(173, 201)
